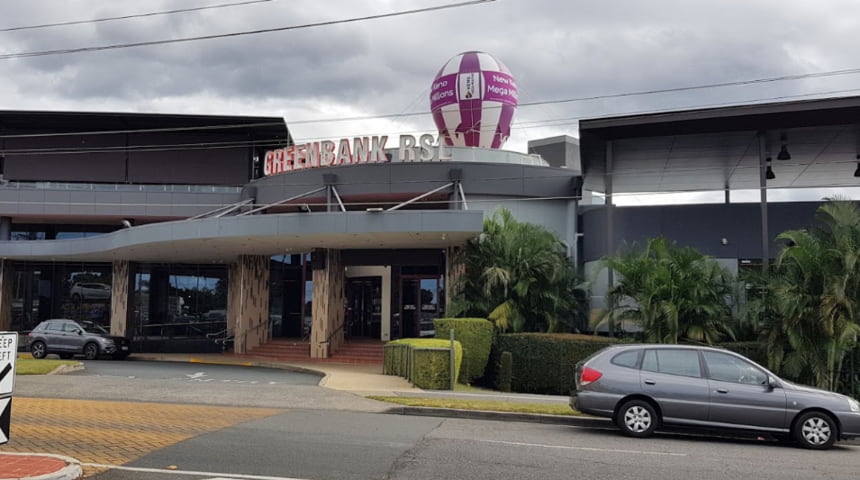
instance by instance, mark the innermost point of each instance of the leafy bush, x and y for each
(476, 336)
(543, 362)
(426, 362)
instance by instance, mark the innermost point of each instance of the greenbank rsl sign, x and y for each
(358, 150)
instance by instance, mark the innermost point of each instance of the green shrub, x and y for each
(426, 362)
(505, 365)
(476, 336)
(543, 362)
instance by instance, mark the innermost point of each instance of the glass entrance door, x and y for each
(364, 307)
(420, 304)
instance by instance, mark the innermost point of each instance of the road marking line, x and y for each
(587, 449)
(188, 472)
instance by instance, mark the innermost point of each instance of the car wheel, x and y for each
(815, 430)
(66, 356)
(91, 351)
(637, 418)
(39, 350)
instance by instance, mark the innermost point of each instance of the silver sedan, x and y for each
(642, 387)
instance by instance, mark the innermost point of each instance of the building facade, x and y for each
(176, 229)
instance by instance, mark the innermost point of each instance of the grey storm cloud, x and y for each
(556, 50)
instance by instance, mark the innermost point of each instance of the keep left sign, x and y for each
(8, 354)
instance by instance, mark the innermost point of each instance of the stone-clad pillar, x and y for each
(7, 280)
(328, 303)
(121, 292)
(455, 271)
(248, 302)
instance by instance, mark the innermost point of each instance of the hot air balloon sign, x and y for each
(473, 99)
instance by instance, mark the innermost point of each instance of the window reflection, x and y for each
(180, 301)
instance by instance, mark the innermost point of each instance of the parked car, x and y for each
(67, 338)
(641, 387)
(89, 291)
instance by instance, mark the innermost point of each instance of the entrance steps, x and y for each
(296, 350)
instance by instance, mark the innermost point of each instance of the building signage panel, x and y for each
(443, 92)
(8, 354)
(359, 150)
(500, 87)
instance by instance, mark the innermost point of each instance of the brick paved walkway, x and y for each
(113, 433)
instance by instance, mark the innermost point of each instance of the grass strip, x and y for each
(487, 405)
(31, 366)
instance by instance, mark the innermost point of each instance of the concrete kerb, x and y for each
(72, 470)
(570, 420)
(66, 369)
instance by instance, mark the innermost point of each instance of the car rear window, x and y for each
(627, 359)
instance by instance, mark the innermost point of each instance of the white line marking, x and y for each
(188, 472)
(587, 449)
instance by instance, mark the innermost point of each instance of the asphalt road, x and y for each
(193, 383)
(196, 373)
(324, 434)
(359, 446)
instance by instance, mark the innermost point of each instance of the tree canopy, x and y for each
(518, 276)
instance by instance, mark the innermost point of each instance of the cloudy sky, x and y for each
(558, 50)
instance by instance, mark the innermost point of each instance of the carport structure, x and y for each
(787, 145)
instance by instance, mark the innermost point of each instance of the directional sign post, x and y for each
(8, 354)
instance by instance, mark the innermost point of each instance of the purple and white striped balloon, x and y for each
(473, 99)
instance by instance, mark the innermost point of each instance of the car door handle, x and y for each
(650, 382)
(722, 390)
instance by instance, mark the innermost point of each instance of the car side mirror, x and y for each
(80, 332)
(772, 382)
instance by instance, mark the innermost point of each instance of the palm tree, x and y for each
(816, 285)
(517, 275)
(672, 293)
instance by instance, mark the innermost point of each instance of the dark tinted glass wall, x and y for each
(140, 158)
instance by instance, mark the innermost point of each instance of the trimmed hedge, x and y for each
(476, 336)
(543, 362)
(426, 362)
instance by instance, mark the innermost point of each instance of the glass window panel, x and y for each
(728, 368)
(650, 361)
(627, 359)
(679, 362)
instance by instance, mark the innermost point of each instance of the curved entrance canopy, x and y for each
(225, 239)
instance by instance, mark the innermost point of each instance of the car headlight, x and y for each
(853, 405)
(108, 341)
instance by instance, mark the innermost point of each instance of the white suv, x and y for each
(89, 291)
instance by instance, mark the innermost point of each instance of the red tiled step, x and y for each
(365, 352)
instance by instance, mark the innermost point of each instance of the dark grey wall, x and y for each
(699, 226)
(189, 166)
(380, 179)
(36, 162)
(177, 159)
